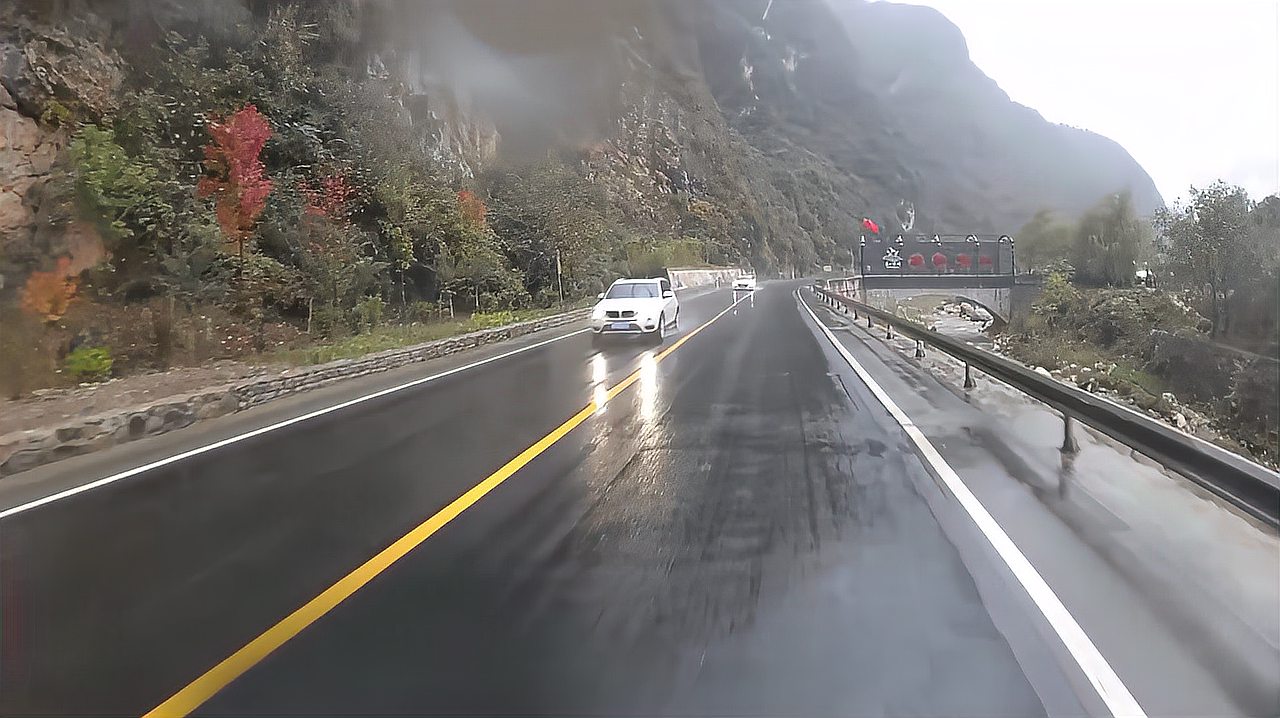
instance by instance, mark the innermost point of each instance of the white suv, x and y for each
(635, 307)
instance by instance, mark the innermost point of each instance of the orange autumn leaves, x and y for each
(48, 294)
(472, 208)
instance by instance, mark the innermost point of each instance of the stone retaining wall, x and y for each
(22, 450)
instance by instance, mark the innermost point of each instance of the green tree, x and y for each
(1109, 240)
(1224, 247)
(547, 209)
(1046, 240)
(115, 189)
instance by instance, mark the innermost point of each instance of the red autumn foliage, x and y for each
(331, 199)
(984, 261)
(237, 177)
(472, 207)
(48, 294)
(916, 260)
(939, 260)
(964, 261)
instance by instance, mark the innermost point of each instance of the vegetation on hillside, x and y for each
(1214, 275)
(1226, 248)
(253, 186)
(1220, 252)
(1150, 347)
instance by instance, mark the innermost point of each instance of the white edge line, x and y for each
(1110, 688)
(269, 428)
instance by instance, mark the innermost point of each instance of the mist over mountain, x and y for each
(761, 129)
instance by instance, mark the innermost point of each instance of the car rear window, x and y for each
(632, 291)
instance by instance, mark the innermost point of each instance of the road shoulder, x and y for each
(1098, 529)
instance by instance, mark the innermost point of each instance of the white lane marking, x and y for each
(1091, 661)
(271, 427)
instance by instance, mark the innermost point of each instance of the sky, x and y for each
(1191, 88)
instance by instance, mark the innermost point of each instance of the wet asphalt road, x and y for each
(735, 534)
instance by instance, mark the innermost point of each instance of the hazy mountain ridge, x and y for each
(896, 97)
(768, 136)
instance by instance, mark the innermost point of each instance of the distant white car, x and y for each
(635, 307)
(744, 284)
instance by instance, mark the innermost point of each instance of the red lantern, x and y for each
(916, 260)
(964, 261)
(939, 260)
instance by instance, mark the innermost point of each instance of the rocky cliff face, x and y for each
(47, 72)
(768, 126)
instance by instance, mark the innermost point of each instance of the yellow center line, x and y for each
(191, 697)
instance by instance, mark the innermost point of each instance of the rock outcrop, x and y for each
(47, 73)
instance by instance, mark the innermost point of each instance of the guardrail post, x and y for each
(969, 383)
(919, 349)
(1069, 443)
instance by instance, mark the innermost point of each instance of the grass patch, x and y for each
(1145, 380)
(396, 336)
(1053, 352)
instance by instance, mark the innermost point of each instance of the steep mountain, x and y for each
(880, 103)
(760, 130)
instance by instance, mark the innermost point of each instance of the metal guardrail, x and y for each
(1249, 486)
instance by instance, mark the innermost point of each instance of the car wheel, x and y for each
(660, 333)
(675, 321)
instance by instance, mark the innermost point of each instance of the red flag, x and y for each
(871, 226)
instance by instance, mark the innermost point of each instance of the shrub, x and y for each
(116, 190)
(547, 297)
(1059, 297)
(425, 312)
(89, 363)
(368, 313)
(489, 320)
(329, 321)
